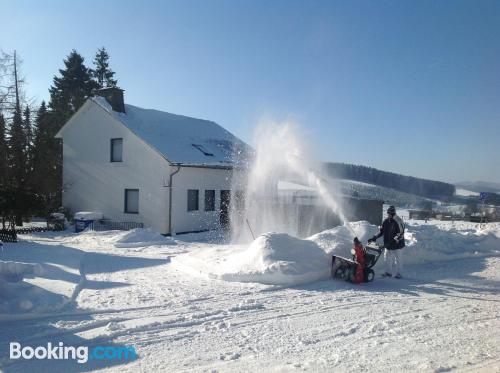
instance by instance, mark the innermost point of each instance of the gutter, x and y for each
(170, 198)
(201, 165)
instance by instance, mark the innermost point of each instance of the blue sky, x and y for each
(405, 86)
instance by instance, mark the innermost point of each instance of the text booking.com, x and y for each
(81, 354)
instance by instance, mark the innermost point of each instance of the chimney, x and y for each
(114, 96)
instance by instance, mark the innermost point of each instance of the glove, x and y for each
(373, 239)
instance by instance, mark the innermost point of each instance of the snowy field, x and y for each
(199, 304)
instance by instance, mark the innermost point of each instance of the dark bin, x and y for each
(81, 225)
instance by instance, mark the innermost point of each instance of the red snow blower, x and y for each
(359, 268)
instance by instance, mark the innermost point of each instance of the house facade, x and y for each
(172, 173)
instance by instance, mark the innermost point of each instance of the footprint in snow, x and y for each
(230, 356)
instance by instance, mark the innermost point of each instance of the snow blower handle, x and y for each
(374, 246)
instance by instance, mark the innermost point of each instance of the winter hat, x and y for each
(391, 210)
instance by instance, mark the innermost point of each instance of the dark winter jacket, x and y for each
(393, 231)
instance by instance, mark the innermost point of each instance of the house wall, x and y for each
(92, 183)
(199, 179)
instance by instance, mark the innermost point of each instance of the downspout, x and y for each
(170, 198)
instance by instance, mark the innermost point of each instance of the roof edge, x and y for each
(135, 134)
(71, 119)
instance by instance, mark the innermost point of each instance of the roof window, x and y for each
(203, 150)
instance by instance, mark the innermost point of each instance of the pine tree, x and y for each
(46, 176)
(4, 153)
(102, 74)
(67, 94)
(17, 165)
(4, 176)
(17, 140)
(70, 90)
(28, 132)
(17, 147)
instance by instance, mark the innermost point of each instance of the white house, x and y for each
(170, 172)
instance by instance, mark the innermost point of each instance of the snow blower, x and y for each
(359, 268)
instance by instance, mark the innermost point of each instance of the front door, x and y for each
(225, 200)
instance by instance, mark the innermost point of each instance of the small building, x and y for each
(170, 172)
(421, 214)
(307, 210)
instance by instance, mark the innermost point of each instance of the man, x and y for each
(393, 231)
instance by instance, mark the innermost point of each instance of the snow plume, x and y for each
(281, 154)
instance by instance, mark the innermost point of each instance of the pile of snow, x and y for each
(15, 271)
(15, 295)
(273, 258)
(140, 237)
(88, 215)
(279, 259)
(428, 242)
(339, 240)
(424, 242)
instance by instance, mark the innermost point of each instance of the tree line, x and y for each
(408, 184)
(30, 155)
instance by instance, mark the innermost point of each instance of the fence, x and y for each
(111, 225)
(35, 229)
(8, 235)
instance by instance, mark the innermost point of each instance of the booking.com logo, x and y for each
(81, 354)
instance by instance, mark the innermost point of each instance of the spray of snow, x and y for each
(281, 154)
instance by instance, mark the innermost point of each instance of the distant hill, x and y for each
(407, 184)
(480, 186)
(388, 195)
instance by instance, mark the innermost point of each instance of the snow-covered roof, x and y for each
(180, 139)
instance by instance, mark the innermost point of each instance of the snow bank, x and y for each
(15, 271)
(279, 259)
(273, 258)
(17, 296)
(433, 241)
(140, 237)
(446, 242)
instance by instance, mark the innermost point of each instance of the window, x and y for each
(203, 150)
(209, 200)
(131, 201)
(116, 150)
(193, 196)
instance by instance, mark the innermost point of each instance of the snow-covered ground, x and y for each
(465, 192)
(187, 304)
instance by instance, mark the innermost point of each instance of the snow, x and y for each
(180, 139)
(391, 196)
(442, 316)
(273, 258)
(465, 193)
(142, 237)
(339, 240)
(429, 243)
(57, 215)
(18, 269)
(88, 215)
(288, 185)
